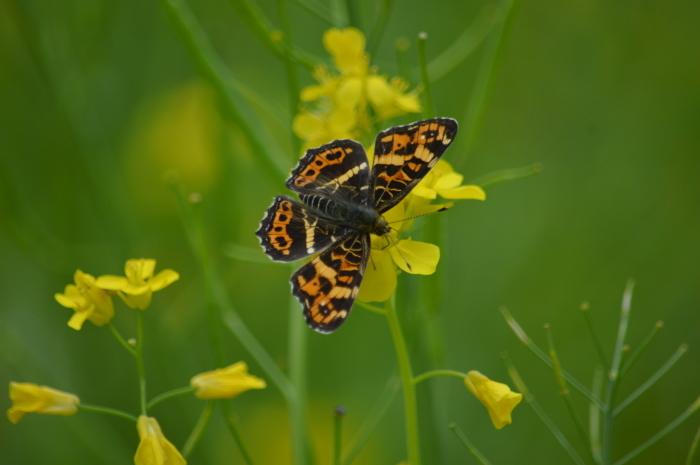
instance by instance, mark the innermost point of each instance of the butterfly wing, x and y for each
(290, 231)
(336, 171)
(403, 156)
(328, 284)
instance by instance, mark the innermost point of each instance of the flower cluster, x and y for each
(355, 98)
(91, 299)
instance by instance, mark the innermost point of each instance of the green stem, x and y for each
(640, 349)
(292, 80)
(215, 71)
(108, 411)
(198, 429)
(486, 72)
(409, 391)
(594, 415)
(169, 395)
(140, 363)
(613, 376)
(298, 345)
(372, 420)
(497, 177)
(428, 109)
(670, 427)
(474, 451)
(375, 36)
(430, 374)
(232, 426)
(585, 308)
(371, 308)
(121, 340)
(525, 339)
(650, 382)
(530, 400)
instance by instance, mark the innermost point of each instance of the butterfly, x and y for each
(342, 201)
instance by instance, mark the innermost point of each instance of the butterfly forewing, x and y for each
(403, 156)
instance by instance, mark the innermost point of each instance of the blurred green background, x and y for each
(100, 102)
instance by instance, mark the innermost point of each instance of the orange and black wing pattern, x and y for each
(328, 285)
(289, 231)
(403, 156)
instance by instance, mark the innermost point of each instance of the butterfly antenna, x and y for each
(418, 216)
(399, 250)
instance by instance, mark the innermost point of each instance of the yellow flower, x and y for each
(89, 301)
(154, 448)
(31, 398)
(498, 399)
(136, 289)
(318, 129)
(380, 276)
(358, 86)
(225, 383)
(442, 180)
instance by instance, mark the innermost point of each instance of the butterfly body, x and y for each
(342, 202)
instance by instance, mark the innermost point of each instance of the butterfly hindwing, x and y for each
(337, 170)
(290, 231)
(328, 285)
(403, 156)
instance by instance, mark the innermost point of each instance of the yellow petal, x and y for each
(422, 257)
(395, 215)
(136, 289)
(448, 181)
(409, 103)
(349, 93)
(225, 383)
(311, 93)
(163, 279)
(424, 191)
(347, 46)
(378, 92)
(32, 398)
(154, 448)
(498, 399)
(380, 277)
(71, 297)
(307, 126)
(139, 269)
(76, 321)
(463, 192)
(111, 282)
(342, 120)
(141, 301)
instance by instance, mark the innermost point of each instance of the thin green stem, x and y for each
(594, 415)
(530, 400)
(613, 375)
(318, 9)
(428, 109)
(693, 448)
(585, 309)
(486, 72)
(232, 426)
(525, 339)
(169, 395)
(141, 366)
(474, 451)
(298, 346)
(371, 308)
(498, 177)
(198, 429)
(121, 340)
(670, 427)
(339, 13)
(640, 349)
(338, 414)
(564, 389)
(372, 420)
(401, 46)
(292, 80)
(409, 391)
(108, 411)
(375, 36)
(430, 374)
(215, 71)
(650, 382)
